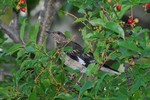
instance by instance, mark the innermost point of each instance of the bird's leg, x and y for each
(71, 76)
(78, 82)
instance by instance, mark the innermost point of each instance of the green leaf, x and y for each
(32, 96)
(87, 85)
(22, 30)
(146, 52)
(137, 31)
(143, 65)
(92, 69)
(68, 34)
(13, 49)
(20, 53)
(136, 85)
(64, 96)
(108, 25)
(98, 85)
(97, 22)
(25, 63)
(115, 28)
(84, 33)
(130, 45)
(34, 32)
(86, 98)
(124, 10)
(30, 49)
(143, 1)
(68, 49)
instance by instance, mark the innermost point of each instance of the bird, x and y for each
(77, 59)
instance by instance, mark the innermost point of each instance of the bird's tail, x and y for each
(106, 68)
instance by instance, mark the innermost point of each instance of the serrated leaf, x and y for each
(108, 25)
(92, 69)
(130, 46)
(97, 22)
(22, 30)
(115, 28)
(13, 49)
(87, 85)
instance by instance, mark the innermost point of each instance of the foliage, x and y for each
(43, 75)
(5, 4)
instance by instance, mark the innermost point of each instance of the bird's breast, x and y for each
(75, 65)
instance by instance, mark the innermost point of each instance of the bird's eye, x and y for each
(59, 33)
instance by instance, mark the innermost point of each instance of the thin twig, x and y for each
(67, 13)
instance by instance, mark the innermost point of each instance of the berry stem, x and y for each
(131, 11)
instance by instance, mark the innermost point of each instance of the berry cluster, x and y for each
(147, 7)
(132, 21)
(21, 5)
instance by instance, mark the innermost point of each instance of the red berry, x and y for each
(148, 5)
(23, 9)
(22, 1)
(118, 7)
(130, 21)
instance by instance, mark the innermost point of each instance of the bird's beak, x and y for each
(48, 32)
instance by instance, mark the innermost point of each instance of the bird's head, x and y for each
(59, 37)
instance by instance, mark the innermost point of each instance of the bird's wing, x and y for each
(85, 59)
(78, 54)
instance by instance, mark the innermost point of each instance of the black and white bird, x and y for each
(76, 59)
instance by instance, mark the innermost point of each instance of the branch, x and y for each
(46, 16)
(12, 33)
(13, 29)
(3, 74)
